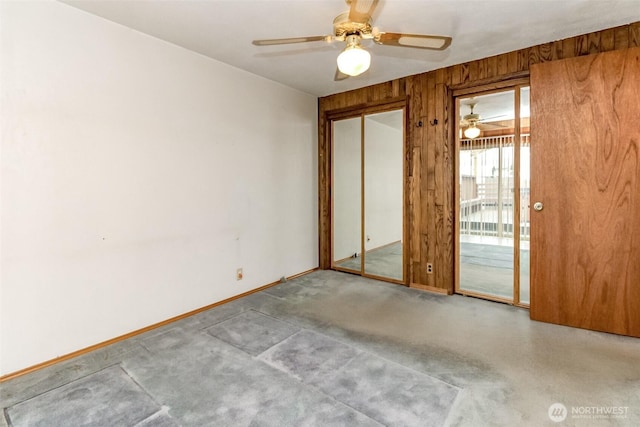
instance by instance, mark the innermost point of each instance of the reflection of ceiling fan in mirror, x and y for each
(356, 25)
(472, 121)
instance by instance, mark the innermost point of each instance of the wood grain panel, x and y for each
(430, 216)
(439, 142)
(474, 70)
(581, 45)
(492, 67)
(607, 40)
(427, 84)
(437, 220)
(634, 34)
(324, 195)
(594, 43)
(415, 134)
(445, 261)
(429, 142)
(586, 169)
(621, 38)
(545, 53)
(464, 73)
(503, 65)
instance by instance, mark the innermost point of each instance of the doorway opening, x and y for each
(492, 207)
(367, 189)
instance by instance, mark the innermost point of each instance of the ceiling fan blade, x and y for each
(339, 76)
(486, 119)
(292, 51)
(272, 42)
(361, 10)
(421, 41)
(493, 124)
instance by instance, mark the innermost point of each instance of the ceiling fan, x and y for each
(354, 26)
(472, 120)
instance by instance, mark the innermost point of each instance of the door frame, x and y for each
(362, 111)
(516, 85)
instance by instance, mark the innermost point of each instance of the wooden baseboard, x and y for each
(430, 289)
(94, 347)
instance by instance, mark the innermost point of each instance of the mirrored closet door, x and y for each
(368, 195)
(347, 194)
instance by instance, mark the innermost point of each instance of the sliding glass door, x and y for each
(493, 198)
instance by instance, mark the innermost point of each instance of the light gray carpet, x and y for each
(383, 390)
(334, 349)
(252, 332)
(108, 396)
(247, 368)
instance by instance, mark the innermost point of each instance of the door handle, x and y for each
(538, 206)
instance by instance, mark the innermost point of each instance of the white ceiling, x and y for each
(497, 106)
(224, 29)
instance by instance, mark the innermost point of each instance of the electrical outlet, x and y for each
(429, 268)
(239, 274)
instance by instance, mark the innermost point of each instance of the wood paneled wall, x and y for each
(431, 180)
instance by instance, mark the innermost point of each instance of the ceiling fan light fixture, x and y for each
(472, 131)
(354, 60)
(356, 25)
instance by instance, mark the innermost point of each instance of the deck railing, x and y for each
(487, 201)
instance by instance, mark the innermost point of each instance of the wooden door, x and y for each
(585, 166)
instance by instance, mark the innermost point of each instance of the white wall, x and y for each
(136, 177)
